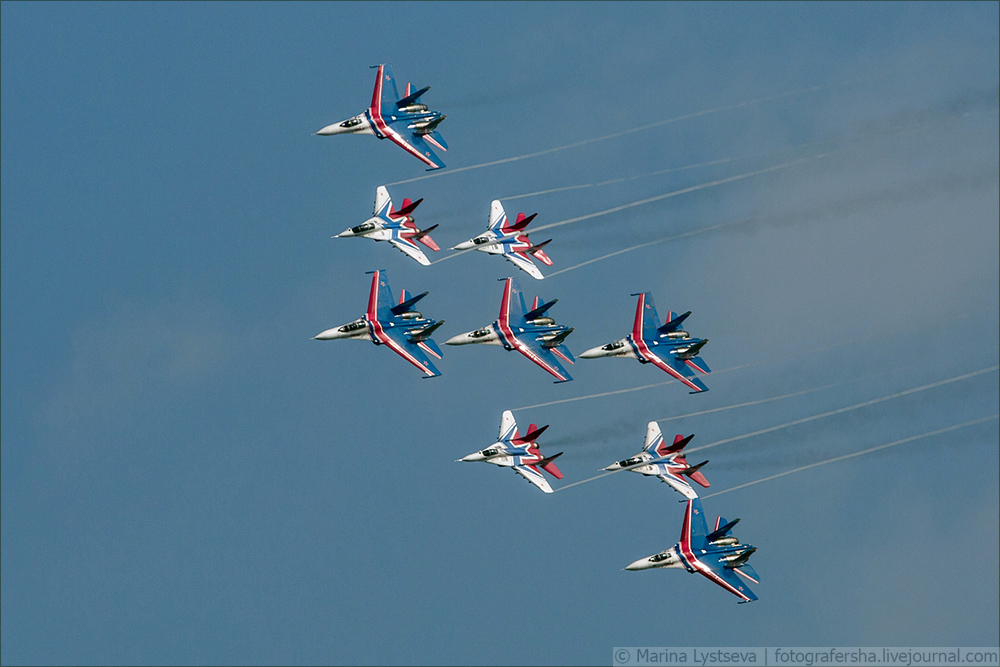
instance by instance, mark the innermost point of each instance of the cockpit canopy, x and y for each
(630, 462)
(490, 452)
(352, 326)
(479, 333)
(351, 122)
(479, 240)
(663, 555)
(364, 227)
(618, 344)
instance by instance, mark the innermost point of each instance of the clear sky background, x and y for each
(188, 478)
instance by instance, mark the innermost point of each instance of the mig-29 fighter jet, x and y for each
(716, 555)
(667, 347)
(405, 331)
(403, 120)
(664, 461)
(505, 239)
(396, 227)
(519, 452)
(530, 332)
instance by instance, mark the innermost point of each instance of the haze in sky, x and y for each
(187, 477)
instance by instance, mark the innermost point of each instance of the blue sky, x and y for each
(187, 477)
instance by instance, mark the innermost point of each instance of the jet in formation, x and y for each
(403, 120)
(520, 453)
(659, 459)
(716, 555)
(396, 227)
(505, 239)
(530, 332)
(668, 347)
(404, 330)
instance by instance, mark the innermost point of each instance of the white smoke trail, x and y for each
(852, 455)
(702, 186)
(819, 416)
(856, 406)
(614, 135)
(650, 200)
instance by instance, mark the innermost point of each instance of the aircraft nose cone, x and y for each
(460, 339)
(329, 334)
(613, 466)
(464, 245)
(346, 232)
(329, 129)
(476, 456)
(641, 564)
(592, 353)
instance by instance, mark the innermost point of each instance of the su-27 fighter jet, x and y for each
(716, 555)
(404, 330)
(520, 453)
(505, 239)
(664, 461)
(403, 120)
(396, 227)
(667, 347)
(530, 332)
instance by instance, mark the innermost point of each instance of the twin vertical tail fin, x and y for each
(407, 207)
(548, 466)
(422, 237)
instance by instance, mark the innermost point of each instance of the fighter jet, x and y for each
(404, 330)
(519, 453)
(505, 239)
(667, 347)
(716, 555)
(530, 332)
(403, 120)
(396, 227)
(663, 461)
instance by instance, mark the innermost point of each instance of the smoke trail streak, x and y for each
(757, 402)
(717, 372)
(693, 188)
(825, 414)
(622, 180)
(702, 186)
(856, 406)
(615, 135)
(848, 456)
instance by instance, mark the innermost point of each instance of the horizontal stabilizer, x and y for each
(674, 324)
(540, 310)
(533, 249)
(695, 474)
(404, 306)
(429, 344)
(411, 98)
(408, 207)
(692, 351)
(699, 365)
(426, 333)
(548, 466)
(558, 339)
(746, 569)
(422, 237)
(742, 559)
(521, 222)
(679, 443)
(721, 531)
(531, 435)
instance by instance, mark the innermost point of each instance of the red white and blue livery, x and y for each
(667, 346)
(531, 332)
(507, 239)
(396, 227)
(403, 120)
(664, 461)
(394, 324)
(716, 555)
(519, 453)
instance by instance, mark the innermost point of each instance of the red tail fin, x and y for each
(521, 222)
(407, 208)
(423, 237)
(548, 466)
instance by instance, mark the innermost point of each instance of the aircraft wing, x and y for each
(533, 475)
(521, 261)
(396, 339)
(730, 580)
(675, 367)
(544, 357)
(678, 483)
(410, 249)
